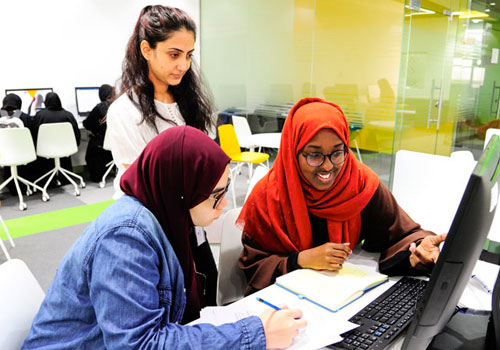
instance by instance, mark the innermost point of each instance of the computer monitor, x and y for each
(461, 250)
(31, 103)
(86, 99)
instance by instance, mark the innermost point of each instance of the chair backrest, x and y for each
(20, 299)
(231, 283)
(56, 140)
(489, 133)
(16, 146)
(258, 174)
(243, 132)
(107, 141)
(466, 156)
(228, 140)
(429, 187)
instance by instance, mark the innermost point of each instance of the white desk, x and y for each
(274, 294)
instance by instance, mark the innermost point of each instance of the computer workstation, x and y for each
(31, 102)
(431, 304)
(86, 99)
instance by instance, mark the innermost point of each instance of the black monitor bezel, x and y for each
(460, 252)
(8, 91)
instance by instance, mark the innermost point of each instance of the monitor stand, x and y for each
(474, 332)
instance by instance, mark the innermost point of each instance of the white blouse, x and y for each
(128, 136)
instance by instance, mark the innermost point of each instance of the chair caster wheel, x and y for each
(83, 185)
(22, 206)
(77, 193)
(102, 184)
(45, 198)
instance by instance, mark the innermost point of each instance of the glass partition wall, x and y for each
(416, 75)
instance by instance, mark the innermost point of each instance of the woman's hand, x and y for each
(329, 256)
(426, 254)
(281, 326)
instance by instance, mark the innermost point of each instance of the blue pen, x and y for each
(268, 304)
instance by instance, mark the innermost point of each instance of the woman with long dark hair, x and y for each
(160, 86)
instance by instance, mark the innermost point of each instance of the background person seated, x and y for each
(318, 202)
(97, 157)
(11, 116)
(53, 113)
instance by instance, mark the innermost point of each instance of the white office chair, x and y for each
(231, 282)
(20, 299)
(489, 133)
(16, 148)
(251, 141)
(266, 139)
(107, 146)
(465, 156)
(57, 140)
(258, 174)
(429, 187)
(243, 133)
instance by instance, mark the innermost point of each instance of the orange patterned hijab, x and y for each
(276, 214)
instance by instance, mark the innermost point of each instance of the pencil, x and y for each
(268, 304)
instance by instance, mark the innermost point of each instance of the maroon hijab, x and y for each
(177, 170)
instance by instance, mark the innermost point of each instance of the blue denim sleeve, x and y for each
(123, 281)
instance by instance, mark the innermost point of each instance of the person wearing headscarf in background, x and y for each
(318, 202)
(11, 116)
(133, 279)
(97, 157)
(53, 113)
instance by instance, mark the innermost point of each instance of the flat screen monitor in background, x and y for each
(461, 250)
(31, 98)
(86, 99)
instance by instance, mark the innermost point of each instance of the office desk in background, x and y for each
(324, 327)
(78, 159)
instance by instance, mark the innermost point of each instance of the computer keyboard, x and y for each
(384, 318)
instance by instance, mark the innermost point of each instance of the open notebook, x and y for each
(331, 290)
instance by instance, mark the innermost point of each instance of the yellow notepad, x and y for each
(331, 290)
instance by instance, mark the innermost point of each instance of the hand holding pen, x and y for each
(281, 325)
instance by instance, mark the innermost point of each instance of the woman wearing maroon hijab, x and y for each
(137, 273)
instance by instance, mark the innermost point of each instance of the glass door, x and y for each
(475, 83)
(424, 119)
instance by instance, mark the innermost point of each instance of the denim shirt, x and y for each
(121, 287)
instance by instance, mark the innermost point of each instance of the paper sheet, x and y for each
(323, 327)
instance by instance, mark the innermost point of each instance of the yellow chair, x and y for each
(229, 144)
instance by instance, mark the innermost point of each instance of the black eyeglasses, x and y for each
(317, 159)
(219, 196)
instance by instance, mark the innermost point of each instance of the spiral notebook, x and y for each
(331, 290)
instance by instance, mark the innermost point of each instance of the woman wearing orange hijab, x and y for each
(318, 202)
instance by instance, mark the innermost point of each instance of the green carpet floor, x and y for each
(53, 220)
